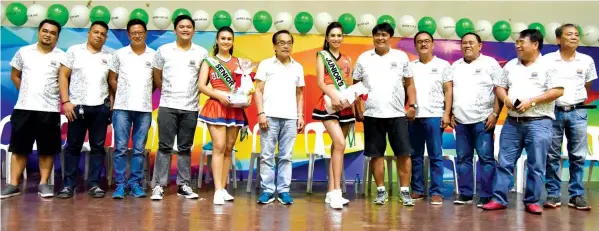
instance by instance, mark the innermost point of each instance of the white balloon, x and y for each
(550, 32)
(162, 18)
(517, 28)
(2, 12)
(365, 24)
(323, 19)
(119, 17)
(446, 27)
(201, 19)
(407, 26)
(242, 20)
(484, 29)
(79, 16)
(590, 35)
(35, 14)
(283, 21)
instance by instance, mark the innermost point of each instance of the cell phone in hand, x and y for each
(516, 103)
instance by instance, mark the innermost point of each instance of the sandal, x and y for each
(65, 193)
(96, 192)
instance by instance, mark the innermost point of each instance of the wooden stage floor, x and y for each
(309, 212)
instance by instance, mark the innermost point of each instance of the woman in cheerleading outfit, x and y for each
(330, 60)
(223, 120)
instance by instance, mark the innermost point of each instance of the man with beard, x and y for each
(36, 116)
(577, 70)
(83, 82)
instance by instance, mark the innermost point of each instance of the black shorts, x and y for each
(35, 126)
(375, 136)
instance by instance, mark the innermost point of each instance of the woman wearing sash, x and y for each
(330, 60)
(223, 120)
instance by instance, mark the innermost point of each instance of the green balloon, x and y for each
(388, 19)
(99, 13)
(58, 13)
(580, 32)
(427, 24)
(221, 18)
(140, 14)
(538, 26)
(180, 11)
(303, 22)
(262, 21)
(502, 30)
(16, 13)
(464, 26)
(348, 22)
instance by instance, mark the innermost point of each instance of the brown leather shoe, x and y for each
(436, 200)
(416, 196)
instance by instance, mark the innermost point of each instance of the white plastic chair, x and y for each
(593, 154)
(367, 173)
(208, 154)
(319, 151)
(426, 164)
(4, 147)
(254, 158)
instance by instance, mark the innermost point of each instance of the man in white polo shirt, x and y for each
(36, 116)
(475, 112)
(131, 82)
(176, 69)
(434, 98)
(83, 84)
(280, 102)
(577, 70)
(383, 70)
(528, 87)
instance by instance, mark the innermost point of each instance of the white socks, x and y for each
(404, 189)
(380, 188)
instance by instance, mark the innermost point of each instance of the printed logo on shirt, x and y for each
(579, 71)
(192, 63)
(104, 61)
(434, 70)
(534, 75)
(148, 65)
(393, 65)
(53, 63)
(213, 76)
(477, 71)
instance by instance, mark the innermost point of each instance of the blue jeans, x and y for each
(470, 137)
(574, 125)
(122, 122)
(429, 131)
(284, 131)
(533, 136)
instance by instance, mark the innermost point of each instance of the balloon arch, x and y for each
(262, 21)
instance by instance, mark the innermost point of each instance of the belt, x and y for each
(575, 106)
(526, 119)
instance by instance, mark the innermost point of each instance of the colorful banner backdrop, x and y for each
(258, 47)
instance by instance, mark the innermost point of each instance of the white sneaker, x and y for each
(218, 198)
(328, 199)
(185, 190)
(227, 196)
(336, 199)
(157, 193)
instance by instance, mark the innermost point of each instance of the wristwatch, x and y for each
(533, 104)
(415, 106)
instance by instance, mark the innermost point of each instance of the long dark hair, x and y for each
(331, 26)
(223, 29)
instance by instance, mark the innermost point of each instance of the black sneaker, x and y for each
(65, 193)
(462, 200)
(579, 203)
(10, 191)
(552, 202)
(483, 201)
(96, 192)
(186, 191)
